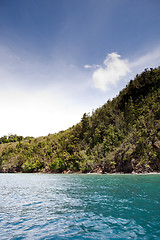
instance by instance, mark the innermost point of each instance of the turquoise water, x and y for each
(50, 206)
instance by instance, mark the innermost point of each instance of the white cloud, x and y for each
(87, 66)
(109, 75)
(91, 66)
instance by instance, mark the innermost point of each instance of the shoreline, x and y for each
(79, 173)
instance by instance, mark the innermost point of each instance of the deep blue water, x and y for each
(54, 206)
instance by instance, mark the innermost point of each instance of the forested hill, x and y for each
(121, 136)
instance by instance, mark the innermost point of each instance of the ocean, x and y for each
(79, 206)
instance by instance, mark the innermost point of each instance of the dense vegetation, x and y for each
(121, 136)
(12, 138)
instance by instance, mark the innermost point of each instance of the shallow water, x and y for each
(54, 206)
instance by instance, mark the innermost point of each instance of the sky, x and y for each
(60, 59)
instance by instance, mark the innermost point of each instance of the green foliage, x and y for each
(121, 136)
(10, 138)
(32, 165)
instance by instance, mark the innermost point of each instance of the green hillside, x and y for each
(121, 136)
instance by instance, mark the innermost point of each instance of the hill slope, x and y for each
(121, 136)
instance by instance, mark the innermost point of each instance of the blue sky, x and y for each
(61, 58)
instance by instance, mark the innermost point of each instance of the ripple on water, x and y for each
(79, 207)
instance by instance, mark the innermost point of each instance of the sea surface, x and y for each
(61, 206)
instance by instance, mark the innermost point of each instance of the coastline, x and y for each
(88, 173)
